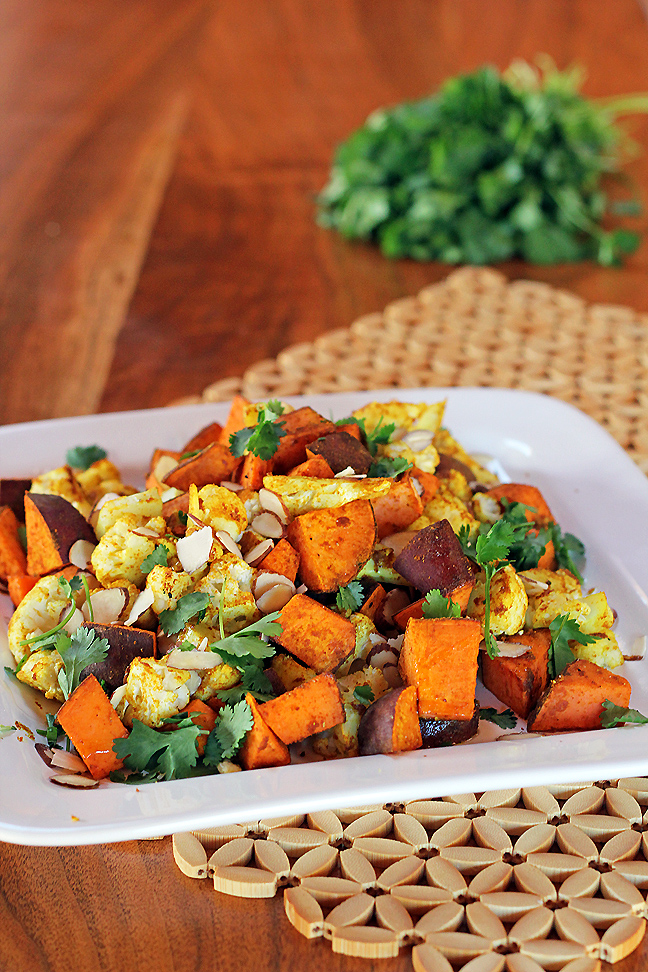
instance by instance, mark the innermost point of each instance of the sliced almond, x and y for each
(407, 871)
(80, 553)
(620, 803)
(318, 862)
(365, 942)
(376, 824)
(275, 599)
(303, 912)
(581, 884)
(193, 550)
(142, 603)
(514, 820)
(74, 781)
(236, 853)
(617, 888)
(433, 813)
(418, 439)
(539, 798)
(245, 882)
(409, 830)
(571, 926)
(355, 867)
(193, 660)
(622, 847)
(510, 905)
(454, 833)
(552, 953)
(572, 840)
(189, 854)
(265, 580)
(470, 860)
(458, 947)
(536, 840)
(227, 542)
(273, 504)
(258, 552)
(536, 923)
(419, 898)
(482, 922)
(622, 938)
(490, 880)
(487, 833)
(213, 837)
(391, 914)
(600, 912)
(599, 826)
(107, 605)
(588, 800)
(330, 891)
(557, 867)
(381, 850)
(327, 822)
(443, 874)
(268, 525)
(295, 840)
(499, 798)
(634, 871)
(445, 917)
(531, 880)
(428, 959)
(68, 761)
(356, 910)
(270, 857)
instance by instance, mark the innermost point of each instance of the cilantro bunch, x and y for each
(494, 166)
(263, 438)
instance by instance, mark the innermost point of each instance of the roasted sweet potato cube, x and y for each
(92, 724)
(415, 610)
(391, 724)
(302, 427)
(439, 657)
(236, 420)
(261, 746)
(312, 707)
(575, 699)
(315, 468)
(253, 470)
(539, 512)
(434, 560)
(374, 602)
(340, 449)
(171, 510)
(428, 482)
(162, 462)
(333, 544)
(319, 637)
(282, 559)
(519, 682)
(210, 433)
(203, 716)
(12, 555)
(213, 465)
(398, 508)
(53, 525)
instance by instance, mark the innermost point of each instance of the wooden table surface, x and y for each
(158, 165)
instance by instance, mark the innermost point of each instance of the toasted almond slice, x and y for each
(189, 854)
(75, 781)
(443, 874)
(409, 830)
(470, 860)
(365, 942)
(407, 871)
(142, 603)
(510, 905)
(318, 862)
(488, 962)
(539, 798)
(273, 504)
(458, 947)
(419, 898)
(572, 840)
(356, 867)
(622, 847)
(586, 964)
(228, 543)
(617, 888)
(620, 803)
(536, 840)
(557, 867)
(589, 800)
(433, 813)
(268, 823)
(381, 850)
(499, 798)
(330, 891)
(601, 912)
(536, 923)
(482, 922)
(531, 880)
(265, 580)
(213, 837)
(270, 857)
(237, 852)
(572, 926)
(563, 791)
(446, 917)
(193, 550)
(327, 822)
(268, 525)
(295, 840)
(348, 814)
(552, 953)
(490, 880)
(599, 826)
(487, 833)
(634, 871)
(68, 761)
(245, 882)
(522, 963)
(428, 959)
(107, 606)
(454, 833)
(80, 554)
(515, 821)
(356, 910)
(275, 598)
(583, 883)
(622, 938)
(637, 786)
(391, 914)
(254, 556)
(376, 824)
(303, 912)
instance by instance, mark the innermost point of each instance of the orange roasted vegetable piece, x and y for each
(439, 657)
(261, 746)
(153, 478)
(519, 682)
(53, 525)
(18, 585)
(530, 496)
(213, 465)
(302, 427)
(461, 597)
(575, 699)
(12, 555)
(428, 481)
(253, 470)
(319, 637)
(210, 433)
(203, 716)
(333, 544)
(398, 508)
(282, 559)
(92, 724)
(316, 468)
(372, 606)
(235, 420)
(314, 706)
(391, 724)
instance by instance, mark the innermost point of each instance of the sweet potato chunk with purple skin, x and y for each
(312, 707)
(340, 451)
(53, 526)
(439, 657)
(12, 494)
(333, 544)
(374, 602)
(314, 634)
(302, 427)
(448, 732)
(391, 724)
(124, 645)
(213, 465)
(575, 699)
(434, 560)
(519, 682)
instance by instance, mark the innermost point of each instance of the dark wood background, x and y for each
(158, 165)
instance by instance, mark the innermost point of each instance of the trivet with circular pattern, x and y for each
(524, 879)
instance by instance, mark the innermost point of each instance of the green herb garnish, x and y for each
(363, 694)
(248, 641)
(563, 630)
(505, 720)
(568, 548)
(77, 651)
(435, 605)
(263, 438)
(169, 754)
(253, 680)
(189, 606)
(82, 457)
(615, 715)
(229, 732)
(388, 468)
(351, 597)
(53, 730)
(157, 558)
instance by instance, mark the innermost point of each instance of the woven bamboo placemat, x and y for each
(475, 328)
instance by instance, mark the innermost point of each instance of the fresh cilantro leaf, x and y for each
(53, 730)
(67, 586)
(82, 457)
(189, 455)
(363, 694)
(263, 438)
(157, 558)
(248, 641)
(466, 541)
(77, 651)
(615, 715)
(380, 435)
(232, 723)
(489, 551)
(388, 468)
(505, 720)
(183, 517)
(171, 754)
(11, 672)
(568, 549)
(351, 597)
(529, 543)
(563, 630)
(188, 606)
(435, 605)
(253, 680)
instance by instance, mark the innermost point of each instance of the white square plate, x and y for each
(593, 489)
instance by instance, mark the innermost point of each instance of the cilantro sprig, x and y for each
(563, 630)
(387, 468)
(505, 720)
(263, 438)
(568, 549)
(157, 558)
(249, 641)
(379, 435)
(435, 605)
(82, 457)
(253, 680)
(350, 597)
(615, 715)
(189, 606)
(225, 739)
(53, 730)
(363, 694)
(77, 651)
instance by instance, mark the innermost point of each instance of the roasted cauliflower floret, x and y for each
(301, 494)
(40, 610)
(100, 478)
(551, 592)
(40, 671)
(167, 586)
(62, 482)
(153, 692)
(364, 628)
(219, 508)
(342, 740)
(508, 602)
(444, 505)
(229, 584)
(139, 506)
(122, 548)
(426, 459)
(215, 680)
(406, 416)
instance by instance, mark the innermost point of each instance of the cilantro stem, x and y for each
(221, 602)
(491, 646)
(45, 634)
(84, 581)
